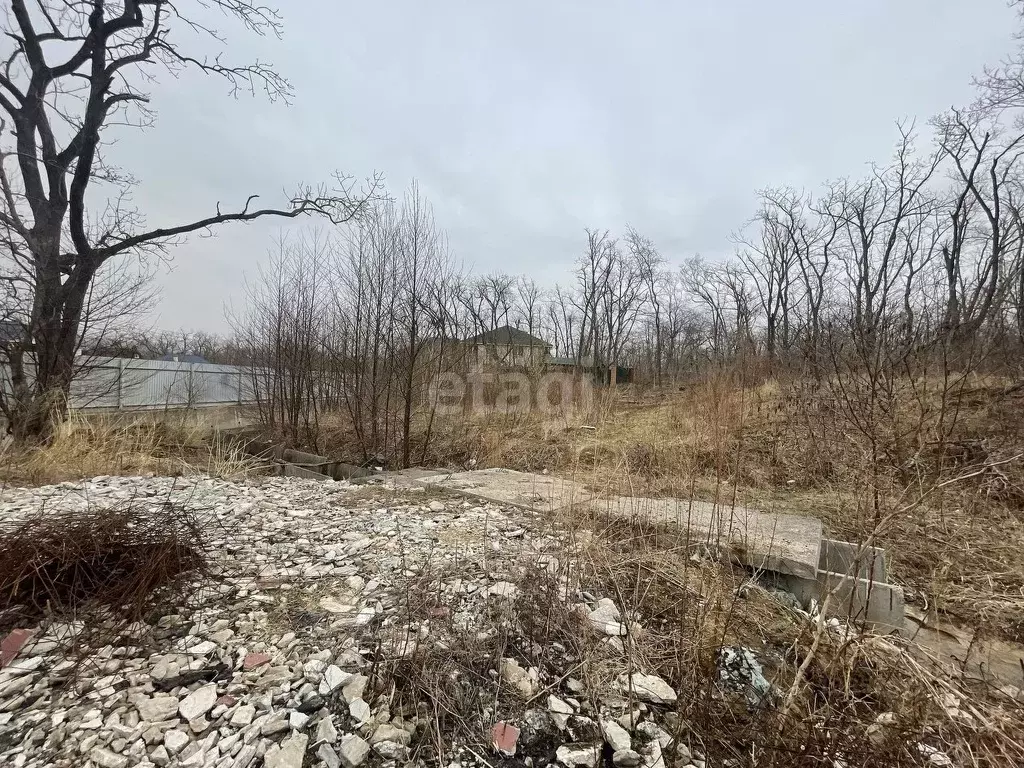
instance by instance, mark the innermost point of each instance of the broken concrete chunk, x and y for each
(650, 688)
(352, 750)
(572, 755)
(518, 678)
(198, 703)
(289, 754)
(616, 736)
(504, 738)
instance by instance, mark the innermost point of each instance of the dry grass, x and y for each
(791, 447)
(692, 609)
(87, 447)
(865, 700)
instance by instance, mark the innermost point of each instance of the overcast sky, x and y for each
(526, 122)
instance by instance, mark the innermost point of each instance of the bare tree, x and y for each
(74, 74)
(650, 264)
(976, 254)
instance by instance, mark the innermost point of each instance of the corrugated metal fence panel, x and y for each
(128, 383)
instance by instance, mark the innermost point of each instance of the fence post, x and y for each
(120, 378)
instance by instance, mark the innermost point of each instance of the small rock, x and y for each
(277, 724)
(160, 756)
(555, 704)
(391, 750)
(325, 730)
(253, 660)
(359, 710)
(198, 703)
(572, 755)
(354, 688)
(175, 740)
(289, 754)
(242, 716)
(334, 678)
(352, 750)
(329, 756)
(297, 721)
(388, 732)
(618, 738)
(436, 506)
(650, 688)
(157, 709)
(627, 758)
(518, 678)
(107, 759)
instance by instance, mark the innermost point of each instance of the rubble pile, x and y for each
(303, 650)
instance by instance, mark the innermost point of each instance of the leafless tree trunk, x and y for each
(74, 71)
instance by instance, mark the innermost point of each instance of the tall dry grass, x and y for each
(796, 446)
(84, 447)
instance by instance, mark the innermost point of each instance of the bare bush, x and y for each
(130, 559)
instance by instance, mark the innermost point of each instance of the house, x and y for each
(506, 347)
(179, 358)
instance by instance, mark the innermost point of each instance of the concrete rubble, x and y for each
(274, 663)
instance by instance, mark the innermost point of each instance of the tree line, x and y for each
(915, 265)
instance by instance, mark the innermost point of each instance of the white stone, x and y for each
(289, 754)
(618, 738)
(518, 678)
(107, 759)
(353, 750)
(650, 688)
(297, 720)
(388, 732)
(157, 709)
(572, 755)
(333, 678)
(243, 715)
(555, 704)
(353, 689)
(436, 506)
(325, 730)
(199, 702)
(359, 710)
(175, 740)
(329, 756)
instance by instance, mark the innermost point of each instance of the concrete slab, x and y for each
(788, 544)
(861, 600)
(527, 490)
(842, 557)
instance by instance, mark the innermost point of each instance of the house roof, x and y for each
(507, 335)
(183, 359)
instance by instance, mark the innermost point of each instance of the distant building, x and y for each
(183, 359)
(506, 347)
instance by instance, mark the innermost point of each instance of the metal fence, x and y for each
(122, 383)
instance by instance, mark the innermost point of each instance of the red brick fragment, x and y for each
(504, 737)
(11, 645)
(254, 660)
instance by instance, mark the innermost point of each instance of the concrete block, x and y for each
(841, 557)
(874, 603)
(766, 541)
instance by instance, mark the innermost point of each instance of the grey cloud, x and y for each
(526, 122)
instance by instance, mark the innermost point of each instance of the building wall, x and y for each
(487, 357)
